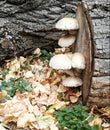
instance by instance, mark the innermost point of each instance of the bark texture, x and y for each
(27, 24)
(100, 88)
(85, 45)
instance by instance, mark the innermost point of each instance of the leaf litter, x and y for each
(31, 92)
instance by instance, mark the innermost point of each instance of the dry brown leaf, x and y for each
(41, 88)
(45, 123)
(3, 93)
(37, 111)
(29, 109)
(57, 80)
(96, 121)
(43, 109)
(59, 105)
(13, 109)
(42, 99)
(52, 99)
(105, 111)
(25, 119)
(73, 99)
(61, 88)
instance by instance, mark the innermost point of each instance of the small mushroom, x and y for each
(67, 24)
(78, 61)
(72, 81)
(70, 25)
(66, 41)
(60, 61)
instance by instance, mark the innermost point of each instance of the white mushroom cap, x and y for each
(67, 24)
(66, 41)
(60, 61)
(78, 61)
(72, 82)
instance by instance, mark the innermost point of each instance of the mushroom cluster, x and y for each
(70, 26)
(70, 63)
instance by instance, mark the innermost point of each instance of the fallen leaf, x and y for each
(73, 99)
(25, 119)
(2, 128)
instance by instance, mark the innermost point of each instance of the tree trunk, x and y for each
(28, 24)
(100, 88)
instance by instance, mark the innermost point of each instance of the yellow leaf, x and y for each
(96, 121)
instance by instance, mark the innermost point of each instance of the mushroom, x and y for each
(78, 61)
(60, 61)
(70, 24)
(66, 41)
(72, 81)
(69, 55)
(67, 24)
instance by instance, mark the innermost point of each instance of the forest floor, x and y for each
(32, 97)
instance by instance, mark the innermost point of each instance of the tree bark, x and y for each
(85, 44)
(100, 88)
(28, 24)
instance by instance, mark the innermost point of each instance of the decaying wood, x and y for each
(99, 101)
(28, 24)
(85, 45)
(99, 12)
(100, 91)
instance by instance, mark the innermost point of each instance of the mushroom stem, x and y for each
(68, 72)
(77, 72)
(64, 33)
(73, 32)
